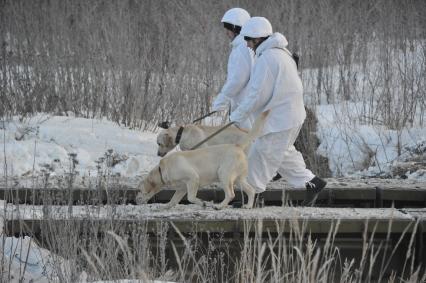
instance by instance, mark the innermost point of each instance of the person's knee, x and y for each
(259, 190)
(256, 188)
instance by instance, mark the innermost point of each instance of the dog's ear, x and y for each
(164, 124)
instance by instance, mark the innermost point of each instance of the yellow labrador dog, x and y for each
(189, 135)
(226, 163)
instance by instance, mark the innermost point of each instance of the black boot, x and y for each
(316, 185)
(313, 187)
(276, 177)
(259, 200)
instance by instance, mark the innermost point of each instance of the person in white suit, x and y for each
(274, 85)
(239, 65)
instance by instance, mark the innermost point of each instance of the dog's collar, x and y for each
(161, 175)
(178, 135)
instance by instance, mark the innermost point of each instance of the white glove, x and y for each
(234, 119)
(220, 103)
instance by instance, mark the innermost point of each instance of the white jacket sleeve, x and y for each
(237, 78)
(261, 86)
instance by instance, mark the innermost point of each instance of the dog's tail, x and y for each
(255, 130)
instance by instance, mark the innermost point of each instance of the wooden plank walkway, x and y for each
(348, 223)
(190, 218)
(339, 193)
(376, 206)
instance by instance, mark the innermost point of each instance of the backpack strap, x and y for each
(295, 56)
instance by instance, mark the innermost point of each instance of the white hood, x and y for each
(237, 41)
(276, 40)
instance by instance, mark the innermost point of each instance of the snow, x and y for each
(193, 212)
(419, 175)
(354, 148)
(352, 134)
(45, 142)
(40, 265)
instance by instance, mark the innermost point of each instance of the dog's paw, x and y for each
(220, 206)
(207, 204)
(246, 206)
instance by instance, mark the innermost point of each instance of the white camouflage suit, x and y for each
(240, 63)
(275, 85)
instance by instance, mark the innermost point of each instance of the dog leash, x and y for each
(180, 131)
(212, 135)
(166, 124)
(202, 117)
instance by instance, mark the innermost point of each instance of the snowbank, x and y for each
(47, 143)
(354, 148)
(58, 145)
(25, 261)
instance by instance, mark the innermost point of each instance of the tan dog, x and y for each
(188, 136)
(225, 163)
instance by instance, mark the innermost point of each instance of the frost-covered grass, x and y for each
(113, 250)
(388, 84)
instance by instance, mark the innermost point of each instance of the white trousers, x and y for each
(275, 152)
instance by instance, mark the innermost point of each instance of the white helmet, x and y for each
(257, 27)
(236, 16)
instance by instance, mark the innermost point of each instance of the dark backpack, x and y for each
(296, 59)
(294, 55)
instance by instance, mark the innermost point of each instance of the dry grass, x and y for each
(115, 250)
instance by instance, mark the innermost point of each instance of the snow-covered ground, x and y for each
(356, 149)
(193, 212)
(24, 261)
(47, 143)
(61, 144)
